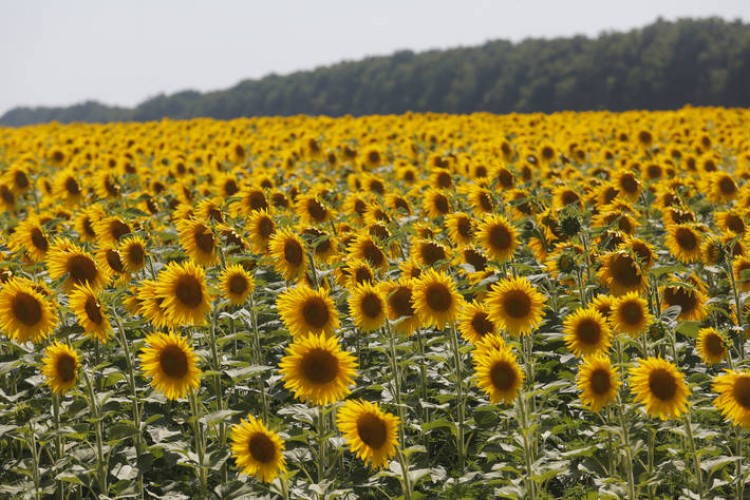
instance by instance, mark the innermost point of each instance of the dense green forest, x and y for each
(662, 66)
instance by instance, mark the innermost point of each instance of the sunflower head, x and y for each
(371, 433)
(474, 323)
(304, 311)
(236, 284)
(183, 294)
(711, 346)
(598, 382)
(630, 314)
(497, 236)
(367, 306)
(497, 373)
(660, 386)
(171, 364)
(436, 299)
(60, 367)
(289, 254)
(257, 451)
(587, 332)
(515, 305)
(25, 314)
(90, 312)
(734, 397)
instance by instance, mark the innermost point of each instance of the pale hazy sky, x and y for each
(122, 52)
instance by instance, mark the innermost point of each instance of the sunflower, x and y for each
(288, 253)
(460, 229)
(364, 247)
(497, 236)
(317, 370)
(90, 312)
(474, 322)
(711, 346)
(25, 315)
(183, 293)
(692, 301)
(171, 363)
(684, 242)
(257, 451)
(236, 284)
(587, 332)
(621, 273)
(150, 304)
(734, 397)
(371, 433)
(436, 299)
(67, 188)
(497, 373)
(604, 304)
(400, 305)
(354, 272)
(311, 210)
(68, 260)
(304, 311)
(86, 221)
(741, 271)
(60, 367)
(109, 258)
(658, 384)
(133, 253)
(598, 382)
(261, 227)
(199, 242)
(30, 237)
(630, 314)
(427, 253)
(110, 230)
(515, 305)
(367, 307)
(436, 203)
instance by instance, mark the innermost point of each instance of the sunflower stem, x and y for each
(458, 362)
(101, 468)
(738, 309)
(628, 450)
(34, 461)
(322, 448)
(693, 452)
(58, 441)
(650, 463)
(740, 482)
(258, 356)
(396, 379)
(406, 485)
(199, 442)
(527, 458)
(216, 362)
(423, 375)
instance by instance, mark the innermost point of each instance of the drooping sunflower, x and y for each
(199, 242)
(367, 307)
(711, 346)
(734, 397)
(184, 294)
(30, 237)
(400, 305)
(598, 382)
(257, 450)
(171, 364)
(497, 373)
(436, 299)
(66, 259)
(317, 370)
(630, 314)
(90, 313)
(236, 284)
(60, 367)
(25, 315)
(474, 322)
(684, 242)
(288, 253)
(660, 386)
(587, 332)
(621, 273)
(304, 311)
(515, 305)
(371, 433)
(109, 258)
(436, 203)
(132, 250)
(497, 236)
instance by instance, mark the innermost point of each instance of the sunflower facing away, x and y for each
(183, 293)
(497, 373)
(598, 382)
(711, 346)
(660, 386)
(515, 305)
(25, 315)
(367, 307)
(304, 311)
(371, 433)
(236, 284)
(317, 370)
(587, 332)
(90, 312)
(734, 397)
(436, 299)
(257, 451)
(60, 367)
(171, 364)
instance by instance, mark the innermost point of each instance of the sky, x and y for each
(123, 52)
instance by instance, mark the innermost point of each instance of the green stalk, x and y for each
(458, 366)
(522, 416)
(258, 351)
(34, 462)
(58, 441)
(199, 442)
(693, 452)
(101, 466)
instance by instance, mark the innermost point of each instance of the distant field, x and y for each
(416, 306)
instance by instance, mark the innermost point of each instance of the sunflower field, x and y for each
(417, 306)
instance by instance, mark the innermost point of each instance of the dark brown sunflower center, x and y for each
(735, 223)
(589, 331)
(319, 367)
(631, 313)
(714, 344)
(566, 263)
(741, 391)
(204, 239)
(256, 200)
(400, 302)
(485, 201)
(136, 255)
(372, 254)
(464, 227)
(316, 210)
(93, 311)
(66, 368)
(570, 197)
(230, 187)
(316, 313)
(432, 253)
(727, 186)
(601, 382)
(72, 187)
(662, 384)
(474, 258)
(500, 237)
(372, 430)
(262, 448)
(266, 227)
(679, 296)
(81, 269)
(686, 239)
(27, 309)
(293, 252)
(481, 324)
(625, 271)
(38, 239)
(441, 204)
(237, 284)
(503, 376)
(628, 183)
(88, 227)
(371, 305)
(517, 304)
(439, 297)
(21, 179)
(363, 275)
(189, 291)
(114, 261)
(173, 362)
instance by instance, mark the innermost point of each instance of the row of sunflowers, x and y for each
(386, 306)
